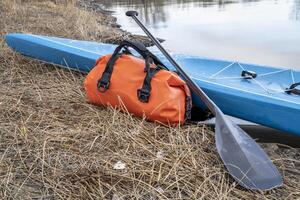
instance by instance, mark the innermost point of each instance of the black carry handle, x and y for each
(104, 81)
(144, 92)
(141, 49)
(292, 89)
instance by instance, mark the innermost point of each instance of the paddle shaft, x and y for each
(192, 85)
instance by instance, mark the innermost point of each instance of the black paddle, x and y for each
(245, 160)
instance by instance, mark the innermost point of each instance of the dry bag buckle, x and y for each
(143, 95)
(103, 83)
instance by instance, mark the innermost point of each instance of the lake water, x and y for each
(262, 32)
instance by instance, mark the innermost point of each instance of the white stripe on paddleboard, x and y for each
(60, 43)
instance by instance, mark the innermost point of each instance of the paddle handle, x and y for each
(132, 13)
(192, 85)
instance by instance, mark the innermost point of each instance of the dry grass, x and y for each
(54, 145)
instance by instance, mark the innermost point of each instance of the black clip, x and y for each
(292, 89)
(248, 74)
(143, 95)
(103, 83)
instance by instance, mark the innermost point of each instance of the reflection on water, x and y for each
(156, 11)
(296, 10)
(256, 31)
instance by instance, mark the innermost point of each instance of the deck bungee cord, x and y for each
(243, 69)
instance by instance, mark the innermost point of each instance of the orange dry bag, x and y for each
(143, 87)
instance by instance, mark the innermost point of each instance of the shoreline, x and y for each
(92, 6)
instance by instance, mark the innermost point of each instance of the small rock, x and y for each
(160, 155)
(159, 189)
(116, 197)
(119, 165)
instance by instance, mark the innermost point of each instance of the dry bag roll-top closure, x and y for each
(143, 87)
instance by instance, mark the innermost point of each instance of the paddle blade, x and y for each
(245, 160)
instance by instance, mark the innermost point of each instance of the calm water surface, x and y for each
(263, 32)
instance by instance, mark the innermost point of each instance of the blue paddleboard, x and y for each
(261, 100)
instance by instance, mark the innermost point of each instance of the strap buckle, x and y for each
(143, 95)
(104, 82)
